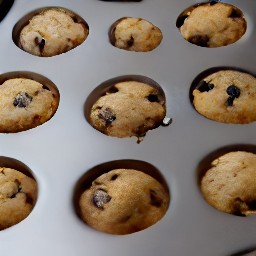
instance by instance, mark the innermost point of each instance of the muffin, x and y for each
(18, 194)
(227, 96)
(25, 104)
(123, 201)
(129, 109)
(212, 24)
(230, 184)
(135, 34)
(53, 31)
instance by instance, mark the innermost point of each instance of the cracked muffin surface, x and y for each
(135, 34)
(230, 184)
(24, 104)
(52, 32)
(123, 201)
(227, 96)
(18, 194)
(129, 109)
(212, 24)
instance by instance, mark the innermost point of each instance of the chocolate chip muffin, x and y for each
(53, 31)
(229, 185)
(135, 34)
(129, 109)
(123, 201)
(18, 194)
(212, 24)
(227, 96)
(25, 104)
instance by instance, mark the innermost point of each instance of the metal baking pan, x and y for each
(65, 148)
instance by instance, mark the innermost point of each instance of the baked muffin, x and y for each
(227, 96)
(25, 104)
(53, 31)
(135, 34)
(123, 201)
(230, 184)
(212, 24)
(18, 194)
(129, 109)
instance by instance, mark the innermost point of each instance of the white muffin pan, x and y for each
(63, 149)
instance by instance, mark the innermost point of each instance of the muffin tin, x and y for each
(61, 151)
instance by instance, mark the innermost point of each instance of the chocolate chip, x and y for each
(153, 98)
(29, 199)
(114, 177)
(180, 20)
(75, 19)
(200, 40)
(230, 101)
(239, 207)
(213, 2)
(112, 89)
(154, 198)
(101, 197)
(107, 115)
(40, 42)
(235, 14)
(204, 86)
(234, 91)
(22, 100)
(36, 118)
(252, 205)
(130, 42)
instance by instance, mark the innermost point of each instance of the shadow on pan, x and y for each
(5, 6)
(248, 252)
